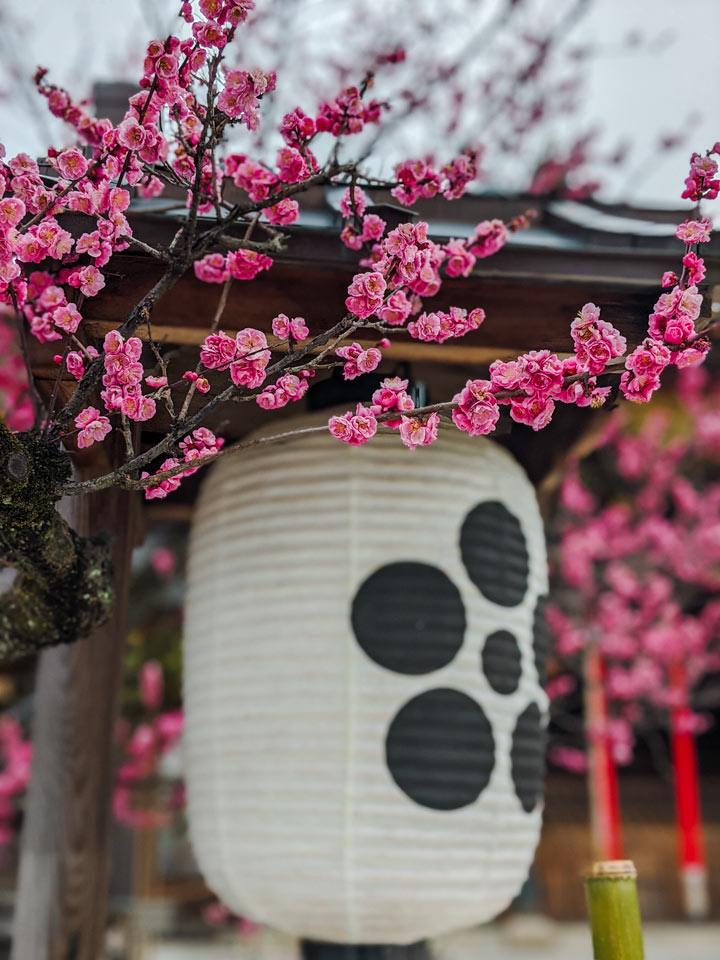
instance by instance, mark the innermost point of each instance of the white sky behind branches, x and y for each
(629, 94)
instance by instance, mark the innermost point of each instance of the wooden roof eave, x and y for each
(530, 292)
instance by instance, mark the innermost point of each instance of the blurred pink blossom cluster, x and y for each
(638, 575)
(15, 404)
(143, 749)
(216, 914)
(16, 755)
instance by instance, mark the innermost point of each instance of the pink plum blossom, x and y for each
(355, 429)
(365, 294)
(460, 261)
(284, 328)
(353, 202)
(694, 231)
(285, 212)
(246, 264)
(253, 357)
(396, 309)
(535, 411)
(441, 326)
(540, 374)
(596, 341)
(489, 237)
(359, 361)
(92, 425)
(477, 410)
(218, 350)
(292, 165)
(211, 268)
(416, 433)
(392, 395)
(71, 163)
(67, 318)
(695, 267)
(288, 389)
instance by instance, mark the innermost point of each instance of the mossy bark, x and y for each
(63, 585)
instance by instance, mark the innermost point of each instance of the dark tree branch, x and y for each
(139, 314)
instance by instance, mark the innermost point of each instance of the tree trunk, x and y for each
(63, 585)
(63, 880)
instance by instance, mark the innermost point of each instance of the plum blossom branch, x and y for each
(189, 82)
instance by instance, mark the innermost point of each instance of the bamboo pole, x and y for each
(612, 900)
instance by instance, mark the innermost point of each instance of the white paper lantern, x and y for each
(364, 714)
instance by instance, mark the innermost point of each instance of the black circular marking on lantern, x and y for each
(502, 661)
(440, 749)
(409, 617)
(541, 639)
(527, 757)
(493, 549)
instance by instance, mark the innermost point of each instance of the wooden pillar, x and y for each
(64, 867)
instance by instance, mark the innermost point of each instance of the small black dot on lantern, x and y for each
(495, 554)
(541, 639)
(502, 661)
(440, 749)
(409, 617)
(527, 757)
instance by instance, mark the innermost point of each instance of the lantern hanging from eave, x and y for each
(364, 715)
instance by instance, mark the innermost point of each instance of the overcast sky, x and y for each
(635, 96)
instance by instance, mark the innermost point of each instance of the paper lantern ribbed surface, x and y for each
(364, 718)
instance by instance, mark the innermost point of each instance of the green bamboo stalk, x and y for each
(611, 894)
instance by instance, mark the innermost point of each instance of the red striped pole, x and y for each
(602, 772)
(691, 846)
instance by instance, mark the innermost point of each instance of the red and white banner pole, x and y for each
(602, 771)
(691, 846)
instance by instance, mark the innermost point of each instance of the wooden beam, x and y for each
(63, 878)
(522, 313)
(158, 512)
